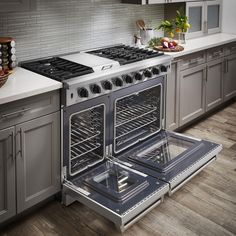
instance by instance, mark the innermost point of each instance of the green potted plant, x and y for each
(181, 26)
(167, 27)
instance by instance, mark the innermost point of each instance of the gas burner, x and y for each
(125, 54)
(57, 68)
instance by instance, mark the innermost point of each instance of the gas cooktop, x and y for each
(125, 54)
(57, 68)
(84, 63)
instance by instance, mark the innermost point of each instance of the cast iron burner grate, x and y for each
(126, 54)
(57, 68)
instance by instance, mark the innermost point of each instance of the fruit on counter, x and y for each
(171, 45)
(165, 44)
(165, 39)
(175, 43)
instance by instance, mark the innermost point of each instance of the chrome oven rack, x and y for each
(133, 126)
(83, 148)
(81, 133)
(134, 112)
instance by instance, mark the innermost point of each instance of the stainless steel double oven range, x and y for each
(117, 158)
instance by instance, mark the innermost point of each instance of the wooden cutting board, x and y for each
(178, 48)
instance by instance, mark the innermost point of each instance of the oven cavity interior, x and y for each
(87, 129)
(137, 117)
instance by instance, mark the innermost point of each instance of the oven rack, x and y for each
(133, 113)
(133, 126)
(84, 148)
(89, 159)
(138, 134)
(80, 134)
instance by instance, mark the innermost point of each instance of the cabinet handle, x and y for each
(205, 27)
(15, 113)
(12, 145)
(21, 143)
(226, 66)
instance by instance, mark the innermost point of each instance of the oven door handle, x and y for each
(137, 218)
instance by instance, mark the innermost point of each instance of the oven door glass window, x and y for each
(116, 183)
(165, 153)
(137, 117)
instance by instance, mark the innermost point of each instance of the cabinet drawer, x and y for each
(215, 53)
(230, 49)
(29, 108)
(192, 60)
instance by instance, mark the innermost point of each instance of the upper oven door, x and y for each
(85, 135)
(137, 113)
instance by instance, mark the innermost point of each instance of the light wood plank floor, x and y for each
(204, 206)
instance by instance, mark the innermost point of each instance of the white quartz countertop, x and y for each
(198, 44)
(23, 83)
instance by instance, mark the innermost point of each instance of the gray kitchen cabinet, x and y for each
(14, 5)
(37, 161)
(192, 93)
(29, 152)
(229, 81)
(172, 98)
(214, 83)
(7, 174)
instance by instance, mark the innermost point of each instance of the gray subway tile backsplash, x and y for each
(59, 27)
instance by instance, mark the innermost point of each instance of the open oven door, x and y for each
(90, 176)
(172, 157)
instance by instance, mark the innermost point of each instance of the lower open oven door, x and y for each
(172, 157)
(116, 192)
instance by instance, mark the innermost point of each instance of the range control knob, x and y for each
(138, 76)
(155, 71)
(147, 73)
(83, 92)
(128, 79)
(95, 89)
(118, 82)
(163, 68)
(107, 85)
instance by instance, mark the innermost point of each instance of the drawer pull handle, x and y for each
(193, 61)
(215, 54)
(15, 113)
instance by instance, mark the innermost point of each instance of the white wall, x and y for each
(229, 16)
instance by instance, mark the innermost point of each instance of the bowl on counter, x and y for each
(4, 78)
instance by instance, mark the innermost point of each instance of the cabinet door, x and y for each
(214, 83)
(192, 93)
(229, 77)
(38, 160)
(214, 16)
(172, 98)
(14, 5)
(7, 175)
(196, 14)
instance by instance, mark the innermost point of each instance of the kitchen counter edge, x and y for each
(23, 83)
